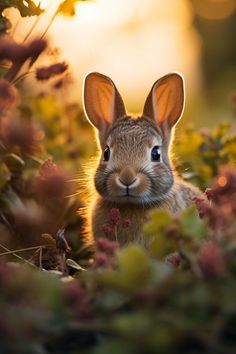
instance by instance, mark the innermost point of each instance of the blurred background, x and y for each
(135, 42)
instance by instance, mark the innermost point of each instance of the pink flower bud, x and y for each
(114, 216)
(126, 223)
(211, 260)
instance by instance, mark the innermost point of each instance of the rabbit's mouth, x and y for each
(127, 189)
(129, 194)
(127, 198)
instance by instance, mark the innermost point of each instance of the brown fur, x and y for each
(130, 180)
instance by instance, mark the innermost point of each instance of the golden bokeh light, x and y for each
(42, 3)
(222, 181)
(214, 9)
(132, 41)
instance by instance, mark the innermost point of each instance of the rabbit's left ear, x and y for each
(165, 101)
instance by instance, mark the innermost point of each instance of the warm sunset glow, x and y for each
(132, 41)
(105, 12)
(42, 3)
(215, 9)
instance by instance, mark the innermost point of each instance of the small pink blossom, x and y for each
(224, 185)
(15, 52)
(8, 95)
(101, 260)
(51, 181)
(126, 223)
(36, 47)
(211, 260)
(212, 213)
(107, 229)
(114, 216)
(77, 299)
(46, 73)
(105, 245)
(173, 259)
(26, 135)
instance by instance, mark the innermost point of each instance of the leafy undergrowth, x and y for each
(56, 296)
(179, 300)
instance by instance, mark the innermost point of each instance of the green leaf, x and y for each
(72, 264)
(161, 246)
(4, 176)
(10, 200)
(26, 7)
(5, 24)
(133, 262)
(159, 219)
(67, 7)
(114, 346)
(133, 324)
(134, 269)
(14, 163)
(192, 225)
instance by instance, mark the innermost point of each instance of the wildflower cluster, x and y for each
(127, 294)
(8, 95)
(113, 223)
(177, 296)
(33, 189)
(105, 252)
(26, 8)
(51, 181)
(204, 245)
(45, 73)
(210, 149)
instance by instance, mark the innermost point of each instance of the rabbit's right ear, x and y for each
(165, 101)
(102, 102)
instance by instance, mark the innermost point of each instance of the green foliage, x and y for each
(25, 7)
(163, 230)
(210, 149)
(135, 270)
(138, 305)
(176, 296)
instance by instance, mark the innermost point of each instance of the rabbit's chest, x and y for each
(128, 228)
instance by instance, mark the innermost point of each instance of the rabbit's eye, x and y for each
(106, 154)
(156, 154)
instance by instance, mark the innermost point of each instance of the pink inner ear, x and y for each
(99, 97)
(168, 99)
(103, 105)
(161, 97)
(165, 101)
(108, 100)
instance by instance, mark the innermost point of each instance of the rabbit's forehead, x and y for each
(134, 138)
(128, 133)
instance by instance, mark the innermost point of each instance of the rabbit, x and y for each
(135, 173)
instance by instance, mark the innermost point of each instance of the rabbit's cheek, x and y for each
(162, 179)
(101, 178)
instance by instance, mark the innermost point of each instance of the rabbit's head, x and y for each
(134, 166)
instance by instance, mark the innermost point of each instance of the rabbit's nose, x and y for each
(127, 184)
(127, 176)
